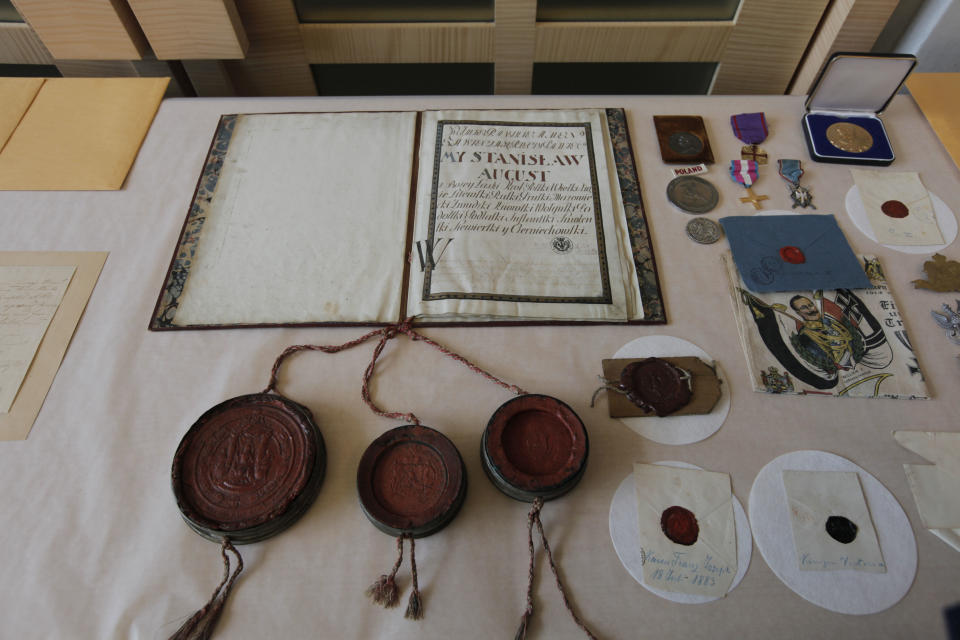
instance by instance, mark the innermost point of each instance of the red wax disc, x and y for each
(248, 468)
(680, 525)
(534, 446)
(411, 481)
(894, 209)
(793, 255)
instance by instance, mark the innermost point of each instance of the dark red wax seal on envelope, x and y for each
(411, 481)
(534, 446)
(680, 525)
(656, 385)
(248, 468)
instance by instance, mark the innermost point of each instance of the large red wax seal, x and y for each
(680, 525)
(792, 255)
(656, 385)
(411, 481)
(894, 209)
(248, 468)
(534, 446)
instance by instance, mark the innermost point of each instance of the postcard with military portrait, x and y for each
(841, 342)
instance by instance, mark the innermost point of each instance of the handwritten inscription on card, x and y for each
(29, 296)
(690, 569)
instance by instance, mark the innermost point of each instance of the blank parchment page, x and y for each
(307, 222)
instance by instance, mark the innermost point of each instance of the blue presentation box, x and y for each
(842, 121)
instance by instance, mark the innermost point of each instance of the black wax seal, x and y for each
(841, 529)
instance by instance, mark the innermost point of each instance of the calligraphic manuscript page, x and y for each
(518, 216)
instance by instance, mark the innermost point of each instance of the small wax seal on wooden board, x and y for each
(411, 481)
(683, 139)
(534, 446)
(248, 468)
(704, 388)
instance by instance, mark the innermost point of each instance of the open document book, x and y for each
(445, 216)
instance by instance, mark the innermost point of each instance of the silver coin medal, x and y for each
(703, 230)
(692, 194)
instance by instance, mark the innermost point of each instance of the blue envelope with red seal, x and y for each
(793, 253)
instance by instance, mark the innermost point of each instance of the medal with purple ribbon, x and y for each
(791, 171)
(744, 172)
(752, 129)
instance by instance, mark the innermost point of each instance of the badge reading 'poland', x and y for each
(411, 481)
(534, 446)
(248, 468)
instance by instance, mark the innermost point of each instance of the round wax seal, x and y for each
(656, 385)
(248, 468)
(679, 525)
(534, 446)
(894, 209)
(793, 255)
(411, 481)
(841, 529)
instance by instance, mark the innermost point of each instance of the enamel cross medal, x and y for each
(791, 171)
(745, 172)
(752, 129)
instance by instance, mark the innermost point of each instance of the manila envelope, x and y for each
(708, 566)
(936, 487)
(815, 496)
(16, 96)
(80, 134)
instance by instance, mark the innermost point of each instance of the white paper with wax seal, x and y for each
(935, 487)
(708, 566)
(918, 226)
(815, 496)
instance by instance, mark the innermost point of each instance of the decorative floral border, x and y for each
(640, 241)
(190, 238)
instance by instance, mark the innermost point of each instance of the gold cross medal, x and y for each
(744, 172)
(753, 152)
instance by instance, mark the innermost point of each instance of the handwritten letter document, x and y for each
(29, 296)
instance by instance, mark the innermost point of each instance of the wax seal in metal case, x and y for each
(692, 194)
(703, 230)
(411, 481)
(248, 468)
(534, 446)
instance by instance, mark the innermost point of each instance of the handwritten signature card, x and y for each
(29, 296)
(832, 529)
(687, 530)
